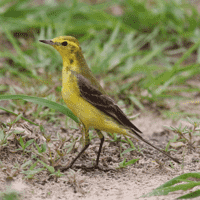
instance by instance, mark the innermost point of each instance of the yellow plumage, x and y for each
(85, 97)
(87, 113)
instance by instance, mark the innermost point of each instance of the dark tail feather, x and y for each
(141, 138)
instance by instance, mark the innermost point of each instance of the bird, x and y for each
(86, 98)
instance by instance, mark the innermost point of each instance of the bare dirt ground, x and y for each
(127, 183)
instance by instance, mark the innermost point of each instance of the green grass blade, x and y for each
(13, 41)
(1, 108)
(187, 54)
(177, 179)
(145, 60)
(168, 186)
(43, 102)
(167, 190)
(190, 195)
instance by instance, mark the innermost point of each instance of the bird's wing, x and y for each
(104, 103)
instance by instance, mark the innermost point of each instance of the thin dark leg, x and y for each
(101, 136)
(99, 152)
(83, 149)
(73, 161)
(87, 144)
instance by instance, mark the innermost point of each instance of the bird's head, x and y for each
(65, 45)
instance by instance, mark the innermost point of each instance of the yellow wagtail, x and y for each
(85, 97)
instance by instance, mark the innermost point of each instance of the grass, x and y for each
(170, 186)
(9, 195)
(144, 58)
(114, 58)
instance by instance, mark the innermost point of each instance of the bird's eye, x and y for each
(64, 43)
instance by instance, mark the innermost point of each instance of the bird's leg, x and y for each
(87, 144)
(80, 153)
(100, 147)
(73, 161)
(96, 166)
(101, 136)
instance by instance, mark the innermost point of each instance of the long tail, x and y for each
(141, 138)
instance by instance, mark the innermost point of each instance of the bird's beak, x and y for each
(47, 42)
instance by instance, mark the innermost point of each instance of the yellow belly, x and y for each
(89, 115)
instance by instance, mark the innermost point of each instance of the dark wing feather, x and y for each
(103, 102)
(107, 105)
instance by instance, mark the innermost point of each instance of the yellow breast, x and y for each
(89, 115)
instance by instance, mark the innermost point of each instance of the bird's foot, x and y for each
(62, 168)
(92, 168)
(84, 167)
